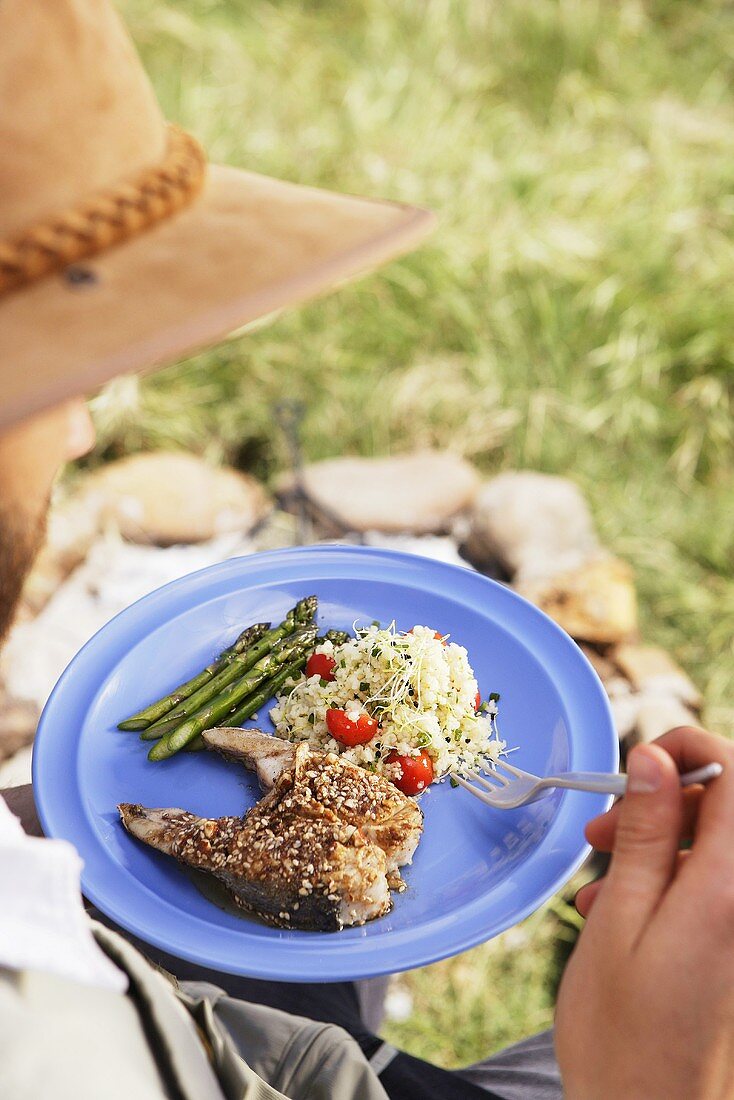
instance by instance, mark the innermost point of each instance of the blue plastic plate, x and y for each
(476, 871)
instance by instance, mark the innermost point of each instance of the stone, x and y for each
(594, 603)
(16, 770)
(617, 686)
(114, 575)
(418, 493)
(625, 709)
(18, 721)
(398, 1003)
(650, 669)
(168, 497)
(279, 529)
(532, 524)
(437, 547)
(656, 715)
(72, 527)
(605, 669)
(623, 702)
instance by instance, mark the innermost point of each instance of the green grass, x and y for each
(573, 312)
(487, 998)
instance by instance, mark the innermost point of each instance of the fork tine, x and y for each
(501, 780)
(485, 798)
(518, 772)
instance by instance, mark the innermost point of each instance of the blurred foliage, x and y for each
(572, 313)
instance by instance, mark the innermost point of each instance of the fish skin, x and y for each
(268, 756)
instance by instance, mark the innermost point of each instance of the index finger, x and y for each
(601, 831)
(691, 748)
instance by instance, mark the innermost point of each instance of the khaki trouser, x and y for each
(66, 1041)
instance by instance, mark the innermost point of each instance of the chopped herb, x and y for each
(454, 781)
(375, 651)
(364, 687)
(494, 697)
(376, 622)
(312, 718)
(324, 683)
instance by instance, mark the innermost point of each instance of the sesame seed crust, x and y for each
(309, 855)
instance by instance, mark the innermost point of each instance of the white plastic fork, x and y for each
(497, 790)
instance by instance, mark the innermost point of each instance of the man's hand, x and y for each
(646, 1006)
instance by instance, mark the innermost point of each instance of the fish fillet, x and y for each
(319, 851)
(315, 874)
(384, 814)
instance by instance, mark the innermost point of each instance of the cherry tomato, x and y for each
(477, 701)
(350, 733)
(321, 664)
(416, 772)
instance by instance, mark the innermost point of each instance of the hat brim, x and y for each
(248, 246)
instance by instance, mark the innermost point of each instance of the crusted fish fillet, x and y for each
(319, 851)
(310, 873)
(384, 814)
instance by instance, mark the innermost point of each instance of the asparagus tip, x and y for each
(305, 609)
(159, 751)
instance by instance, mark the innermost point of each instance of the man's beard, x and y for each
(21, 536)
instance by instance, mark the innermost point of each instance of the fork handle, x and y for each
(601, 782)
(604, 783)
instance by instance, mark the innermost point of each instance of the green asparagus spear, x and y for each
(253, 702)
(291, 648)
(146, 717)
(196, 745)
(270, 688)
(300, 615)
(235, 670)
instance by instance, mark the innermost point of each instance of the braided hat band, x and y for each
(107, 218)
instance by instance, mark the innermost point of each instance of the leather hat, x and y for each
(121, 249)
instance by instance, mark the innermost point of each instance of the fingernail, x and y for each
(643, 773)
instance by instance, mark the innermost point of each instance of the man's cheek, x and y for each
(22, 532)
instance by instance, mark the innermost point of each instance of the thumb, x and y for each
(646, 842)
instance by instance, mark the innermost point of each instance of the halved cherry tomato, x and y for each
(416, 772)
(477, 701)
(321, 664)
(350, 733)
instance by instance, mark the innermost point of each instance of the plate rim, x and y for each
(269, 969)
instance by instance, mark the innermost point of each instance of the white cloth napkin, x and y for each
(43, 925)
